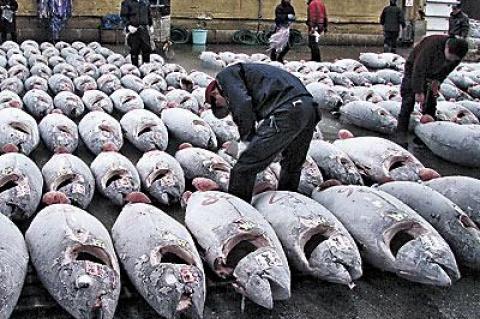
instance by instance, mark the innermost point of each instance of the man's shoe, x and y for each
(418, 142)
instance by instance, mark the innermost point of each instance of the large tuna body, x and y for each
(390, 235)
(448, 219)
(161, 260)
(240, 245)
(74, 258)
(13, 266)
(315, 242)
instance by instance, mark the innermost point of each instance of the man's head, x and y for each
(456, 8)
(214, 97)
(393, 2)
(456, 49)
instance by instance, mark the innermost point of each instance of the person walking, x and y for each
(458, 23)
(427, 66)
(392, 19)
(137, 17)
(317, 22)
(280, 44)
(254, 92)
(8, 10)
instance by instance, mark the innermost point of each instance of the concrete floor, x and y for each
(377, 294)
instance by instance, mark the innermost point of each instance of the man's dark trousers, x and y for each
(289, 132)
(408, 104)
(314, 48)
(390, 41)
(139, 42)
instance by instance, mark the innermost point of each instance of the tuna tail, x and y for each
(109, 147)
(56, 111)
(60, 150)
(327, 184)
(137, 197)
(204, 184)
(55, 197)
(185, 198)
(184, 146)
(426, 119)
(427, 174)
(10, 148)
(345, 134)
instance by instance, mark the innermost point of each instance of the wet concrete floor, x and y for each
(377, 294)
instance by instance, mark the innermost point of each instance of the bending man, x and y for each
(255, 92)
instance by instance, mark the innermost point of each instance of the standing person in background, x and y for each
(284, 16)
(8, 10)
(317, 23)
(138, 18)
(458, 24)
(427, 66)
(391, 19)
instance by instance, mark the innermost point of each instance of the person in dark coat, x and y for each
(284, 16)
(317, 22)
(254, 92)
(137, 17)
(427, 66)
(459, 24)
(391, 18)
(8, 10)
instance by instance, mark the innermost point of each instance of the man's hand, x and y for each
(151, 29)
(420, 98)
(132, 29)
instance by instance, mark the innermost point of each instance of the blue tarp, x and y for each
(112, 22)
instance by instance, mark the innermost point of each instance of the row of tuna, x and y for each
(415, 231)
(366, 93)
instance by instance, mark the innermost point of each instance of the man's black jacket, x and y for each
(136, 13)
(392, 18)
(459, 24)
(427, 62)
(281, 14)
(254, 91)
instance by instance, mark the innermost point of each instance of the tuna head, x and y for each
(329, 254)
(20, 186)
(419, 255)
(162, 176)
(403, 167)
(18, 131)
(59, 133)
(38, 103)
(115, 176)
(69, 175)
(261, 275)
(69, 103)
(145, 130)
(89, 281)
(175, 280)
